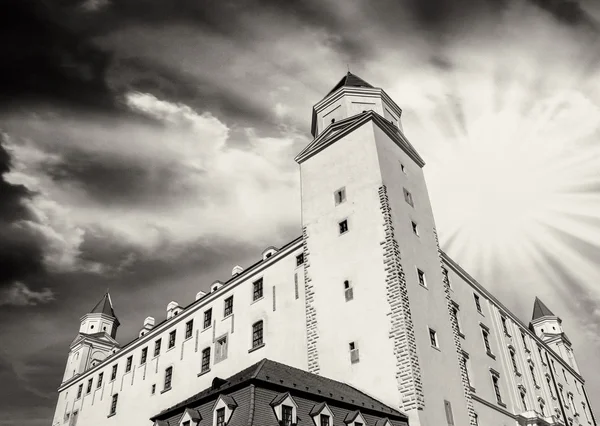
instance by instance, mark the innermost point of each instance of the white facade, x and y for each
(362, 297)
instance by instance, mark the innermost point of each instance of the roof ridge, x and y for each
(258, 368)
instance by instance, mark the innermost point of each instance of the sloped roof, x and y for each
(104, 306)
(540, 310)
(350, 80)
(281, 375)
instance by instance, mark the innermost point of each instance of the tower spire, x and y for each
(540, 310)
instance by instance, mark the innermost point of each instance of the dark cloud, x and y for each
(567, 11)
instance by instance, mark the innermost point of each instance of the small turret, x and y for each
(96, 338)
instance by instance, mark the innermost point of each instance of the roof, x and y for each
(350, 80)
(104, 306)
(275, 374)
(540, 310)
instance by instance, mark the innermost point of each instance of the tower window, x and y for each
(421, 277)
(402, 168)
(415, 228)
(513, 359)
(189, 326)
(100, 377)
(477, 303)
(504, 325)
(89, 386)
(523, 400)
(348, 291)
(408, 197)
(228, 310)
(433, 340)
(486, 341)
(79, 391)
(343, 226)
(207, 318)
(205, 360)
(157, 347)
(113, 376)
(168, 378)
(257, 334)
(257, 289)
(172, 336)
(354, 355)
(496, 384)
(532, 371)
(524, 341)
(340, 196)
(153, 389)
(144, 356)
(454, 311)
(113, 404)
(446, 277)
(129, 362)
(465, 362)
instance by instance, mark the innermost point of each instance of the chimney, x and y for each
(215, 286)
(237, 269)
(173, 309)
(200, 295)
(148, 325)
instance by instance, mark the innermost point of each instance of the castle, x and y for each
(362, 317)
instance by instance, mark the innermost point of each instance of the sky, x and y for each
(147, 147)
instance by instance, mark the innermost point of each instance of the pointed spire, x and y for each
(104, 306)
(540, 310)
(350, 80)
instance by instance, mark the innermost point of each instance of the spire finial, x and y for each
(348, 66)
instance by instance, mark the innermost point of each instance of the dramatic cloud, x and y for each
(19, 295)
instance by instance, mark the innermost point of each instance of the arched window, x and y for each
(257, 334)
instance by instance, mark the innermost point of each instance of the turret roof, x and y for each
(104, 306)
(350, 80)
(540, 310)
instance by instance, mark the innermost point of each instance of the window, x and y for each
(454, 311)
(207, 318)
(433, 338)
(257, 334)
(523, 400)
(549, 386)
(449, 415)
(532, 370)
(585, 411)
(300, 259)
(113, 376)
(89, 386)
(205, 360)
(221, 349)
(153, 391)
(343, 225)
(354, 355)
(514, 361)
(129, 362)
(228, 306)
(113, 404)
(496, 384)
(572, 403)
(476, 419)
(172, 336)
(100, 376)
(186, 423)
(340, 196)
(421, 277)
(415, 228)
(562, 395)
(144, 356)
(220, 417)
(565, 376)
(79, 391)
(296, 290)
(542, 411)
(402, 168)
(408, 197)
(189, 326)
(541, 355)
(486, 341)
(286, 415)
(157, 347)
(257, 289)
(504, 325)
(477, 303)
(446, 277)
(524, 341)
(168, 377)
(324, 420)
(348, 291)
(465, 362)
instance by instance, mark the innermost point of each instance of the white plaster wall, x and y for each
(284, 337)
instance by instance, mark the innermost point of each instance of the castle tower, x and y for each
(377, 307)
(95, 340)
(549, 328)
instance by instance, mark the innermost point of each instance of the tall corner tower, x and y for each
(548, 327)
(375, 293)
(95, 340)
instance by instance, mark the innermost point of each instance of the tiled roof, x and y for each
(540, 310)
(350, 80)
(104, 306)
(276, 374)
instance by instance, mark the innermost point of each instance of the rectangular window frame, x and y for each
(339, 196)
(205, 363)
(129, 363)
(408, 197)
(172, 339)
(168, 383)
(257, 290)
(228, 307)
(144, 356)
(207, 322)
(421, 278)
(189, 329)
(221, 351)
(157, 345)
(343, 227)
(113, 374)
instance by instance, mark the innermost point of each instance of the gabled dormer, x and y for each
(223, 410)
(190, 417)
(285, 408)
(354, 418)
(350, 96)
(322, 415)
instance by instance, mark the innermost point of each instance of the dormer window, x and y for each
(190, 417)
(285, 409)
(223, 409)
(324, 420)
(322, 415)
(354, 418)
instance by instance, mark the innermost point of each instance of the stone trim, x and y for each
(312, 331)
(408, 372)
(457, 340)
